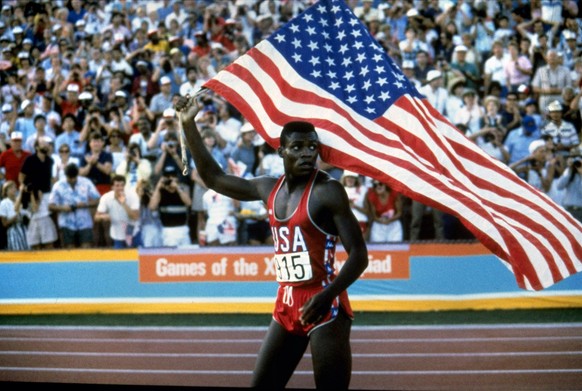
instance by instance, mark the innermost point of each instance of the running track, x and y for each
(468, 357)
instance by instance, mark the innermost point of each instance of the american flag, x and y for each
(324, 67)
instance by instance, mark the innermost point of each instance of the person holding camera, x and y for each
(571, 183)
(134, 168)
(539, 167)
(171, 156)
(36, 174)
(173, 201)
(72, 197)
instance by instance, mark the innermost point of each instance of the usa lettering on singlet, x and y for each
(303, 251)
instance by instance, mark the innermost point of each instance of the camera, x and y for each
(167, 181)
(171, 144)
(577, 162)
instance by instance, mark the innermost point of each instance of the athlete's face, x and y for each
(300, 153)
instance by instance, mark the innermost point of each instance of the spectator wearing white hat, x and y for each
(245, 150)
(564, 134)
(167, 124)
(162, 100)
(434, 92)
(538, 167)
(13, 158)
(463, 67)
(69, 104)
(570, 51)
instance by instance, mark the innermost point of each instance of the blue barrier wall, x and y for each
(91, 281)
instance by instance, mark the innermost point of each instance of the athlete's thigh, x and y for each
(331, 354)
(278, 357)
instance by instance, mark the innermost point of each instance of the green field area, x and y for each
(573, 315)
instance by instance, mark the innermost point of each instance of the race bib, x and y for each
(293, 267)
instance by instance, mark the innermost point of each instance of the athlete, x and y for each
(308, 212)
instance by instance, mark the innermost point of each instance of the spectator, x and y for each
(61, 160)
(41, 132)
(245, 150)
(435, 94)
(471, 113)
(455, 98)
(518, 140)
(511, 113)
(167, 126)
(467, 69)
(116, 148)
(198, 186)
(494, 68)
(171, 156)
(12, 216)
(162, 100)
(142, 139)
(13, 158)
(72, 198)
(422, 66)
(563, 133)
(143, 85)
(36, 175)
(134, 168)
(221, 224)
(25, 123)
(172, 200)
(384, 207)
(549, 80)
(356, 192)
(535, 168)
(120, 207)
(192, 85)
(151, 226)
(96, 164)
(71, 137)
(411, 45)
(270, 162)
(9, 116)
(227, 128)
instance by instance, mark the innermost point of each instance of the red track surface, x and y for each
(507, 357)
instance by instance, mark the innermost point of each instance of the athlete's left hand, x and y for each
(315, 308)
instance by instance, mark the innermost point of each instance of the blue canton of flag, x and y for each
(350, 65)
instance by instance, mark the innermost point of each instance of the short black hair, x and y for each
(71, 170)
(118, 178)
(295, 127)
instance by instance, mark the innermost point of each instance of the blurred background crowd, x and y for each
(90, 146)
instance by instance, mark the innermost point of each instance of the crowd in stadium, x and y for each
(90, 143)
